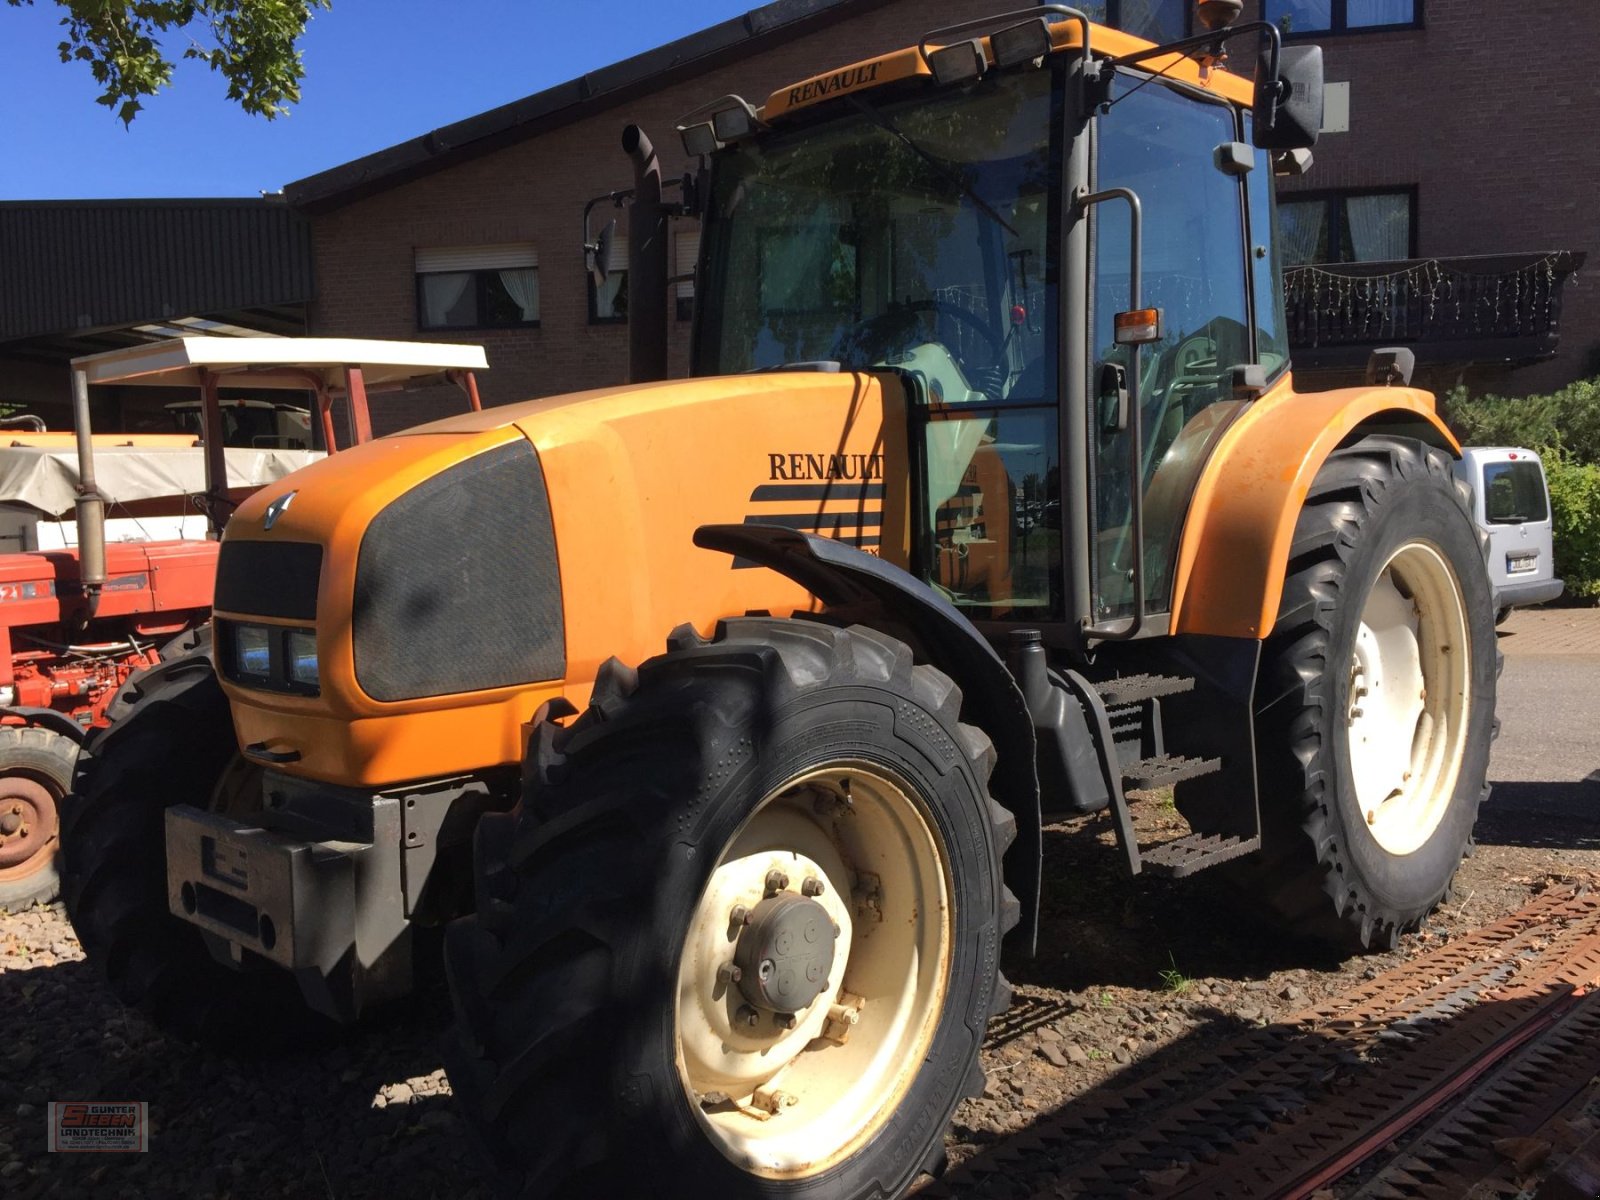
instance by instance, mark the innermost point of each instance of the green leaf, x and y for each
(253, 44)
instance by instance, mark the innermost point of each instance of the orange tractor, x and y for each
(992, 501)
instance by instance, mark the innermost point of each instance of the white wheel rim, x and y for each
(1409, 695)
(787, 1104)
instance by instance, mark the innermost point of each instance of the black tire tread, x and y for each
(588, 799)
(1301, 871)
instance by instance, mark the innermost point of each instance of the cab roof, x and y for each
(909, 63)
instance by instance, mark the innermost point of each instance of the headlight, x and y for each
(301, 667)
(252, 650)
(270, 656)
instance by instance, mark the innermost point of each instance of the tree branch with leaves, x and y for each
(253, 44)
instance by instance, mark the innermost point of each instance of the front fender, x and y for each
(843, 577)
(46, 718)
(1234, 550)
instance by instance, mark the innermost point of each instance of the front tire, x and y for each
(787, 777)
(174, 744)
(1376, 698)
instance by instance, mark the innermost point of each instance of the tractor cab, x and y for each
(863, 220)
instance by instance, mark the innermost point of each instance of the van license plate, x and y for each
(1517, 563)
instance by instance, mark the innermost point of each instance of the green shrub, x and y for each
(1575, 513)
(1569, 419)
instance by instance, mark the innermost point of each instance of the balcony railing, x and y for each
(1494, 308)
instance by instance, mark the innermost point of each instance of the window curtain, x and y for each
(1300, 226)
(522, 285)
(1362, 13)
(441, 294)
(605, 296)
(1380, 227)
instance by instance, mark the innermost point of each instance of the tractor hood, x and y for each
(482, 564)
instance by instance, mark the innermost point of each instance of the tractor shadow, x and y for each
(1215, 1099)
(1099, 926)
(307, 1123)
(1542, 816)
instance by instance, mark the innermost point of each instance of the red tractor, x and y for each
(114, 538)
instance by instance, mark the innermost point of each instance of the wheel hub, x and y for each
(1408, 694)
(27, 821)
(785, 953)
(813, 971)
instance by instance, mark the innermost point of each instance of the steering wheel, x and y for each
(873, 338)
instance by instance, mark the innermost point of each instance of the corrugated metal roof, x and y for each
(75, 265)
(565, 102)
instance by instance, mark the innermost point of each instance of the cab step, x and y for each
(1186, 855)
(1164, 770)
(1100, 739)
(1130, 689)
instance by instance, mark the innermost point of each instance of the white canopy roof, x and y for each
(273, 362)
(47, 479)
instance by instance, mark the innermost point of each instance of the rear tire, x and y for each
(174, 745)
(1369, 796)
(35, 773)
(582, 982)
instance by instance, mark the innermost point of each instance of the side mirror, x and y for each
(1113, 398)
(600, 253)
(1288, 108)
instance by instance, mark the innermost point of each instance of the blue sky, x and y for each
(377, 72)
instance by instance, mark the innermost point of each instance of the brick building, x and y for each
(1444, 151)
(1445, 141)
(1439, 147)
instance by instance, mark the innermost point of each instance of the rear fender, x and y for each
(845, 578)
(1234, 551)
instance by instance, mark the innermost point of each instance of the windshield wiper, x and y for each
(949, 176)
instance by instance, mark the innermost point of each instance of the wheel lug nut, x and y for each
(812, 887)
(776, 881)
(785, 1020)
(739, 916)
(747, 1016)
(729, 973)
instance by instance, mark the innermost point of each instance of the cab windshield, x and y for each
(909, 235)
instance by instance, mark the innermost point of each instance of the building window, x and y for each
(478, 287)
(1306, 17)
(685, 254)
(1330, 227)
(608, 301)
(1156, 20)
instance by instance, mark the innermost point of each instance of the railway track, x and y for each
(1491, 1037)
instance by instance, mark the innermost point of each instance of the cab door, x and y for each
(1162, 142)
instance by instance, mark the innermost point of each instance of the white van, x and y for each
(1511, 503)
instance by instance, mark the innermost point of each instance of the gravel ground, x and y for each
(1132, 975)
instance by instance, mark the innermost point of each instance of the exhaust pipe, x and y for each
(90, 506)
(647, 263)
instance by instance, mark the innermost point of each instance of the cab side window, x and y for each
(1161, 143)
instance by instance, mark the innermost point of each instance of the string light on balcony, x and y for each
(1333, 305)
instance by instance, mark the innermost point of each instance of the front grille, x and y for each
(457, 585)
(269, 579)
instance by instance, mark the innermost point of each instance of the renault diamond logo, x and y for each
(276, 509)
